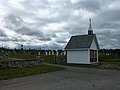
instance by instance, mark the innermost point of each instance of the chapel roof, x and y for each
(81, 41)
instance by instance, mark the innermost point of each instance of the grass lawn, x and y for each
(26, 56)
(20, 72)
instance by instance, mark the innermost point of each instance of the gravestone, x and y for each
(46, 52)
(52, 52)
(64, 52)
(39, 53)
(57, 53)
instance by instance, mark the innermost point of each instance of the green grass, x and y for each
(0, 57)
(23, 56)
(109, 58)
(20, 72)
(112, 62)
(26, 56)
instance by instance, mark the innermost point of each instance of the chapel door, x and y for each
(93, 55)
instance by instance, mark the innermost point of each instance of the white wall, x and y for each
(78, 57)
(93, 45)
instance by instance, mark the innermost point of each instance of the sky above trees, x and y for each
(50, 23)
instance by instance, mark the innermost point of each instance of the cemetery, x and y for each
(19, 64)
(15, 63)
(29, 58)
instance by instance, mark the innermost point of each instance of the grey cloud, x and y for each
(61, 41)
(112, 14)
(30, 32)
(13, 22)
(2, 33)
(53, 35)
(105, 21)
(51, 46)
(14, 39)
(14, 19)
(88, 5)
(108, 18)
(44, 38)
(78, 30)
(5, 39)
(35, 4)
(108, 39)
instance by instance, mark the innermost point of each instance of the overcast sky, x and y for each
(51, 23)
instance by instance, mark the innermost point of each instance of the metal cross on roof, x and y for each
(90, 26)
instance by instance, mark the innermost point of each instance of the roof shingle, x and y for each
(80, 41)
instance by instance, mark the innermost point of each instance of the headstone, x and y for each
(49, 52)
(57, 53)
(64, 52)
(38, 53)
(46, 53)
(52, 52)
